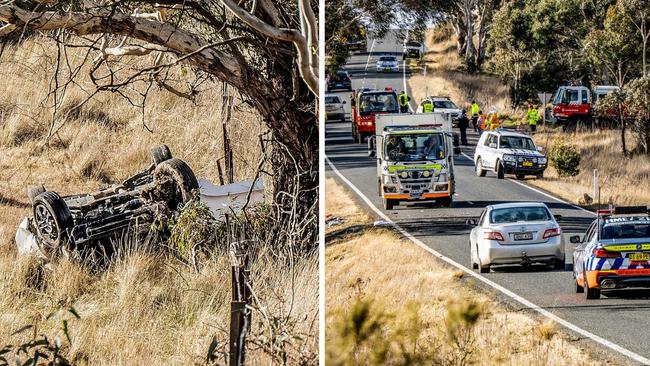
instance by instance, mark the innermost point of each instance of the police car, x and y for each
(506, 151)
(614, 253)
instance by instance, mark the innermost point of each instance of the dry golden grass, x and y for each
(339, 203)
(439, 74)
(622, 180)
(415, 299)
(146, 309)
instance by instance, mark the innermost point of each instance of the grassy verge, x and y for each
(390, 302)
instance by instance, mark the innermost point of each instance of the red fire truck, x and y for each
(365, 104)
(573, 105)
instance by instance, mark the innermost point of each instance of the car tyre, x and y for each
(53, 220)
(33, 191)
(500, 170)
(160, 153)
(176, 181)
(446, 201)
(579, 289)
(480, 172)
(472, 259)
(485, 269)
(521, 176)
(590, 293)
(389, 203)
(540, 175)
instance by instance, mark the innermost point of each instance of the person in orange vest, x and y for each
(481, 122)
(494, 120)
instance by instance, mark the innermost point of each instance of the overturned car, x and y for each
(85, 222)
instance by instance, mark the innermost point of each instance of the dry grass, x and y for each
(339, 203)
(439, 74)
(621, 179)
(146, 308)
(414, 301)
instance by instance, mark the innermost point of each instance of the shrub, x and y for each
(565, 158)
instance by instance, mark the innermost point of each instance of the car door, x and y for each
(489, 155)
(581, 250)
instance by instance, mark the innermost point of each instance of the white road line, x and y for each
(505, 291)
(541, 192)
(365, 70)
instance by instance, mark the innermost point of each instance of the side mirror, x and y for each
(371, 143)
(457, 150)
(557, 217)
(539, 148)
(344, 102)
(371, 153)
(575, 239)
(492, 145)
(470, 222)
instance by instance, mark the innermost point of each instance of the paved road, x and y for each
(618, 317)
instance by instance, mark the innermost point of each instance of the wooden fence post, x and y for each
(240, 313)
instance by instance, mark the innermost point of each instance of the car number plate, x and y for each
(415, 194)
(523, 236)
(639, 257)
(527, 163)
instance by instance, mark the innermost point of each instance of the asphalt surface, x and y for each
(620, 317)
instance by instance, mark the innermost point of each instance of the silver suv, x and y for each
(508, 152)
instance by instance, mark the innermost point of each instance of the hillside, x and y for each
(148, 307)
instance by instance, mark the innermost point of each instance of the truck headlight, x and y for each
(426, 174)
(510, 158)
(390, 179)
(542, 160)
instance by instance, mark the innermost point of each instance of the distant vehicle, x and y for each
(365, 105)
(334, 109)
(614, 253)
(415, 158)
(516, 233)
(508, 152)
(573, 105)
(341, 80)
(359, 45)
(443, 105)
(413, 49)
(387, 64)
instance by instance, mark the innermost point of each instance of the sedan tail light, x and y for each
(552, 232)
(602, 253)
(493, 235)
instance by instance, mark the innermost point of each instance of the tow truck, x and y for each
(365, 104)
(574, 104)
(415, 158)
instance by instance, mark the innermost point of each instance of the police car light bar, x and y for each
(625, 210)
(413, 127)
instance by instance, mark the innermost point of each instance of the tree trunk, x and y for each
(469, 26)
(461, 36)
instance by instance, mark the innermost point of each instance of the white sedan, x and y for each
(516, 233)
(387, 64)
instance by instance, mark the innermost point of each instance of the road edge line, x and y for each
(532, 306)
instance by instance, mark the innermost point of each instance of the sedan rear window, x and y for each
(628, 230)
(332, 100)
(518, 214)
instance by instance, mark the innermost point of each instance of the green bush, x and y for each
(565, 158)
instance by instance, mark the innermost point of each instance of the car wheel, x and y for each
(558, 264)
(590, 293)
(540, 175)
(521, 176)
(446, 201)
(160, 153)
(500, 170)
(53, 219)
(33, 191)
(472, 257)
(343, 118)
(389, 203)
(485, 269)
(579, 289)
(479, 168)
(176, 182)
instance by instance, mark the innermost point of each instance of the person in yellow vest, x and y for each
(494, 120)
(427, 107)
(532, 117)
(474, 112)
(403, 100)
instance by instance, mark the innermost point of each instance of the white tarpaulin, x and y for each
(25, 239)
(230, 197)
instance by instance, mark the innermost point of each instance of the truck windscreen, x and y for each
(414, 147)
(378, 102)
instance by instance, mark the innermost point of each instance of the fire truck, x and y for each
(573, 105)
(365, 104)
